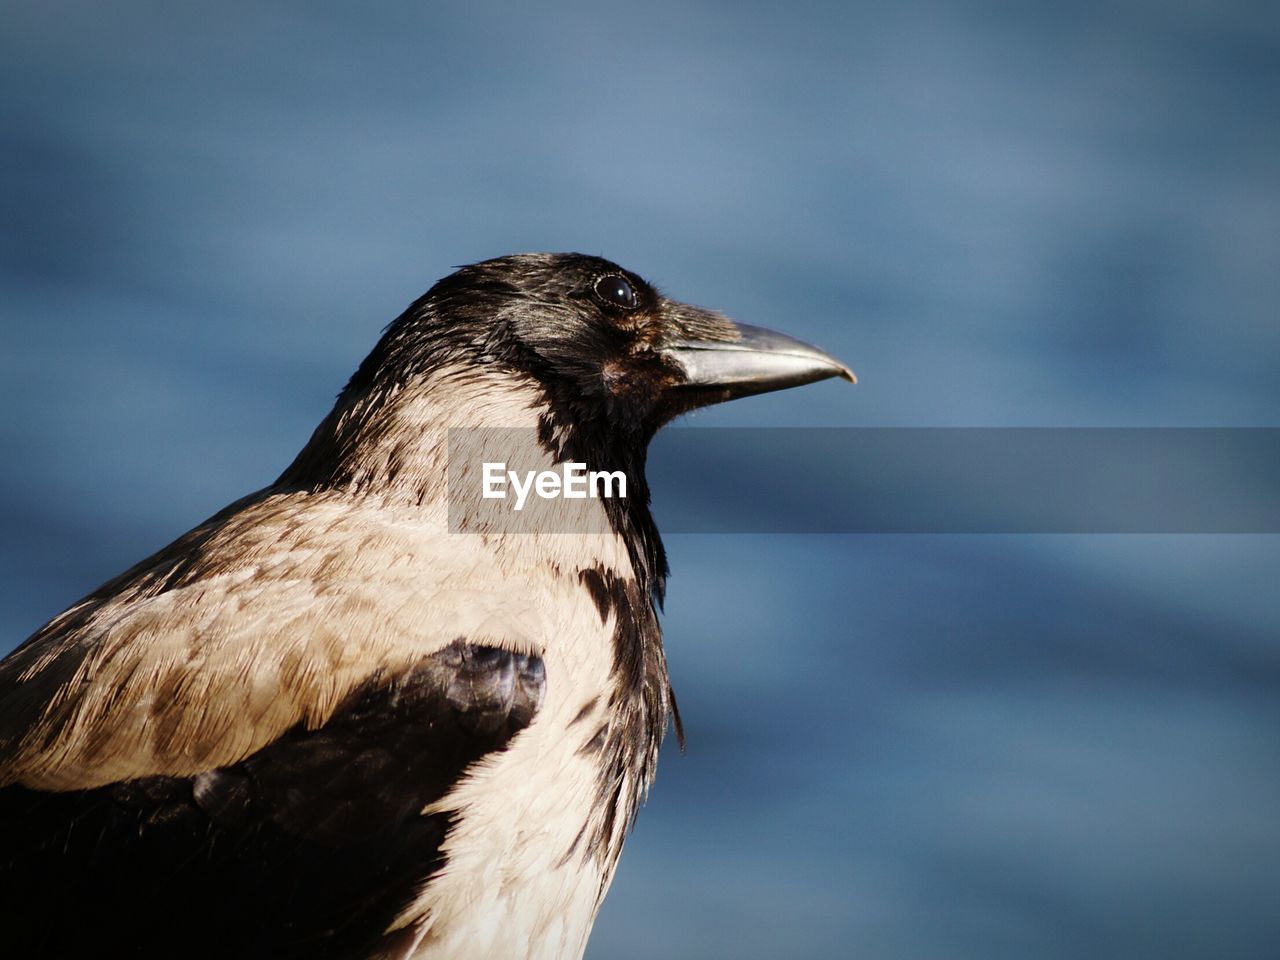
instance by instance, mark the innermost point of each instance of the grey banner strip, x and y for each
(886, 480)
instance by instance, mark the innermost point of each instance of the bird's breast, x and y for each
(537, 827)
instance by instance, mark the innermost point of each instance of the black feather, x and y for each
(308, 848)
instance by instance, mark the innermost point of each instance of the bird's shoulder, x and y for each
(267, 617)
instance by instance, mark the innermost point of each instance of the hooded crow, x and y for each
(325, 723)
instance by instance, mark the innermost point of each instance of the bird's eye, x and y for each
(617, 292)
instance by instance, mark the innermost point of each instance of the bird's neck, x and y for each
(394, 442)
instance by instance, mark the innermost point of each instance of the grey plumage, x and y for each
(321, 724)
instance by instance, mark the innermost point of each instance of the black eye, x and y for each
(617, 292)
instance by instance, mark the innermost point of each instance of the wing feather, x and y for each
(266, 617)
(309, 847)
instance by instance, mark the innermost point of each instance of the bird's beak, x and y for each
(756, 361)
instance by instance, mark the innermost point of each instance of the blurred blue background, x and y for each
(1031, 214)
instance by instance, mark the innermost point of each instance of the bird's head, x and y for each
(610, 352)
(585, 354)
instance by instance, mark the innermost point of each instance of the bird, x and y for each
(338, 720)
